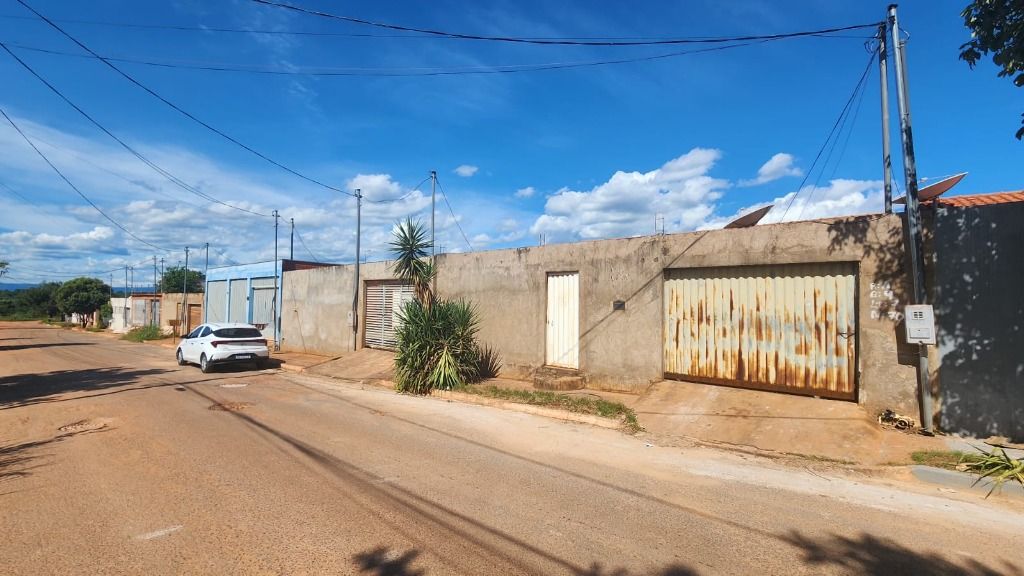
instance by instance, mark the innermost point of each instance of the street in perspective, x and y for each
(291, 287)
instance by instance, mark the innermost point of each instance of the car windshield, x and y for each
(237, 333)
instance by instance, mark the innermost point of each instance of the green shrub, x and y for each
(998, 467)
(436, 346)
(144, 333)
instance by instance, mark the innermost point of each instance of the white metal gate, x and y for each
(790, 328)
(217, 301)
(384, 301)
(563, 320)
(239, 301)
(263, 304)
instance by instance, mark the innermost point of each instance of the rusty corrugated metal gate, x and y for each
(790, 328)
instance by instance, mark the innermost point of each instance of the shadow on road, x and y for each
(16, 459)
(28, 389)
(14, 347)
(867, 554)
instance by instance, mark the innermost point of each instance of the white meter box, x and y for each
(920, 323)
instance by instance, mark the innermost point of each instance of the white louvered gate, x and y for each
(563, 320)
(384, 301)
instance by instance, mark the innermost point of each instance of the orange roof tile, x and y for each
(982, 199)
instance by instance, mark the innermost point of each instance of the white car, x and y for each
(222, 343)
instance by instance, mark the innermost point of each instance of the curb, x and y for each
(528, 409)
(963, 481)
(292, 367)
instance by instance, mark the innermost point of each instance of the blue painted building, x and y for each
(249, 293)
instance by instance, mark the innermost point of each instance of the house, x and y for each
(135, 310)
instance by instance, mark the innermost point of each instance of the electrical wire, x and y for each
(75, 188)
(175, 107)
(828, 139)
(404, 197)
(303, 242)
(385, 72)
(558, 41)
(171, 177)
(14, 192)
(215, 29)
(445, 196)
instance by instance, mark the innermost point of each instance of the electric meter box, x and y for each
(920, 323)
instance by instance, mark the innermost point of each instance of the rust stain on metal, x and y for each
(789, 327)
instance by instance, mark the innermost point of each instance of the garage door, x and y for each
(790, 328)
(239, 311)
(263, 304)
(217, 301)
(384, 301)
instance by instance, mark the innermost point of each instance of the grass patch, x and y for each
(144, 333)
(577, 404)
(948, 459)
(820, 458)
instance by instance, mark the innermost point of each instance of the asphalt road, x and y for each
(116, 461)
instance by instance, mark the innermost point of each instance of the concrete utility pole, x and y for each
(291, 243)
(132, 268)
(277, 325)
(184, 297)
(206, 271)
(125, 297)
(886, 154)
(152, 307)
(433, 203)
(913, 236)
(355, 290)
(161, 289)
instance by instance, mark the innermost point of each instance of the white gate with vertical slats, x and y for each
(239, 301)
(563, 320)
(263, 304)
(790, 328)
(383, 303)
(217, 301)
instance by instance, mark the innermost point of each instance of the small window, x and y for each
(206, 332)
(194, 333)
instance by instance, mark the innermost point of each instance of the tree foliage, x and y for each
(34, 303)
(174, 277)
(409, 247)
(997, 28)
(82, 296)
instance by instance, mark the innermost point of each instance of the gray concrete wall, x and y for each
(317, 302)
(622, 350)
(979, 308)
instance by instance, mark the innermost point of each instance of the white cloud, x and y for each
(527, 192)
(778, 166)
(466, 170)
(841, 197)
(628, 202)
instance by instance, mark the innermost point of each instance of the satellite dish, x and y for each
(748, 220)
(933, 191)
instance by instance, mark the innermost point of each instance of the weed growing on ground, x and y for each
(948, 459)
(997, 466)
(144, 333)
(577, 404)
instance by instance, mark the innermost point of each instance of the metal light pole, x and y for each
(184, 297)
(291, 242)
(206, 272)
(433, 203)
(913, 237)
(886, 154)
(277, 325)
(355, 290)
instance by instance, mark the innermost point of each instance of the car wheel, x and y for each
(181, 359)
(204, 364)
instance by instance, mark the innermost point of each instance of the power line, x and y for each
(174, 179)
(561, 41)
(221, 29)
(821, 150)
(385, 72)
(18, 194)
(447, 203)
(175, 107)
(303, 242)
(73, 187)
(407, 195)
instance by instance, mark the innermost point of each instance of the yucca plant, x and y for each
(436, 338)
(998, 467)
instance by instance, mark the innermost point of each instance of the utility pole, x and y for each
(154, 273)
(161, 276)
(886, 154)
(206, 272)
(291, 243)
(125, 297)
(433, 211)
(184, 297)
(913, 212)
(133, 279)
(150, 306)
(355, 291)
(277, 325)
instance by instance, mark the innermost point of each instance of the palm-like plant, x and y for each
(409, 247)
(437, 345)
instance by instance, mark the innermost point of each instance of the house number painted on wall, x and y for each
(884, 303)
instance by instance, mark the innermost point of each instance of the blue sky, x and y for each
(568, 154)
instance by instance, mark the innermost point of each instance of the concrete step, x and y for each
(557, 379)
